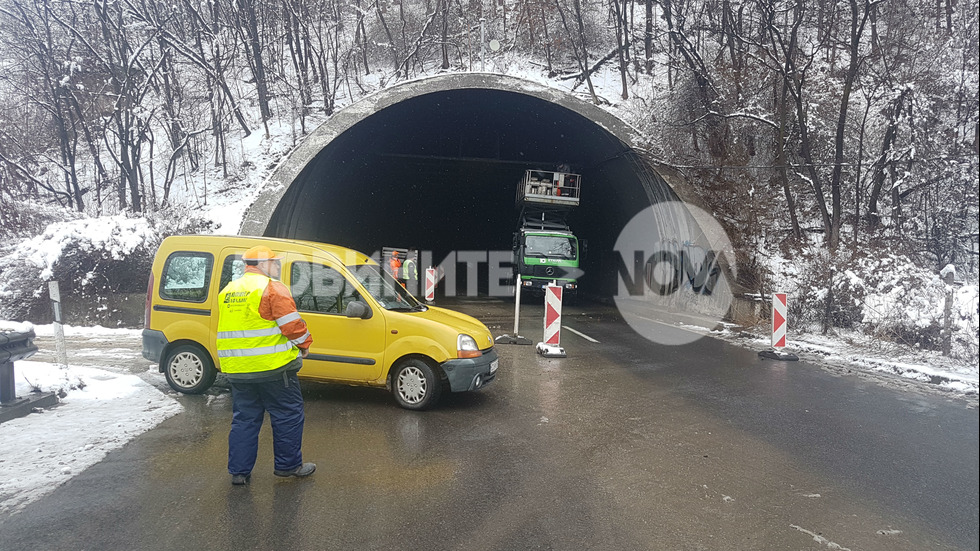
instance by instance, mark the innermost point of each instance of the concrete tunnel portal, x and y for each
(434, 165)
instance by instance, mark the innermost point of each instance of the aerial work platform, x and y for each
(541, 187)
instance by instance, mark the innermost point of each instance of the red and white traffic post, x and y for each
(430, 284)
(550, 347)
(777, 352)
(779, 320)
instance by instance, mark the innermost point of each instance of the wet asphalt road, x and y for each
(625, 444)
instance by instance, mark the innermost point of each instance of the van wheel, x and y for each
(416, 385)
(189, 369)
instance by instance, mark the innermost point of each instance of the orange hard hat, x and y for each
(260, 253)
(394, 253)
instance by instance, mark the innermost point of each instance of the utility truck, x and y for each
(545, 249)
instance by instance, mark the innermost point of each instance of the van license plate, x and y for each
(494, 365)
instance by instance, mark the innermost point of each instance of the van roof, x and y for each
(343, 255)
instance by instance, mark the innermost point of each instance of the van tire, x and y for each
(189, 369)
(416, 385)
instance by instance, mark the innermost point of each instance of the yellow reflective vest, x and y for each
(247, 342)
(409, 271)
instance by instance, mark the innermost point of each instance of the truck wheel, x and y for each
(416, 385)
(189, 369)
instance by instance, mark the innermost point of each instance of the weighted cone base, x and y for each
(777, 355)
(550, 350)
(507, 339)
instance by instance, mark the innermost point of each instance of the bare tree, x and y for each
(249, 26)
(49, 70)
(121, 57)
(194, 36)
(379, 9)
(860, 14)
(577, 38)
(622, 43)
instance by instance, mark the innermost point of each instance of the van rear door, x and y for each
(181, 300)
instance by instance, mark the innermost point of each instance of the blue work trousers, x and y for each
(284, 402)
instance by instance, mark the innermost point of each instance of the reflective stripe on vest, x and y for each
(246, 342)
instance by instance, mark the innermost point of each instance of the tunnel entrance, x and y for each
(434, 165)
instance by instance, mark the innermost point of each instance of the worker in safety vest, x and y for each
(410, 274)
(395, 264)
(261, 342)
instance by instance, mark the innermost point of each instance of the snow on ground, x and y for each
(851, 351)
(93, 332)
(100, 410)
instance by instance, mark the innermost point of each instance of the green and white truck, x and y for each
(545, 249)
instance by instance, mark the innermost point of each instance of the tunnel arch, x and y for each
(434, 163)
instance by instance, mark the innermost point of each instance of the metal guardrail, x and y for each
(14, 345)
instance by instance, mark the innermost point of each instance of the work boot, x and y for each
(240, 479)
(306, 469)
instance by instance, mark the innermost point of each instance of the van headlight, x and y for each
(466, 347)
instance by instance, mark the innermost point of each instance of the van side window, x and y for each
(231, 269)
(186, 276)
(319, 288)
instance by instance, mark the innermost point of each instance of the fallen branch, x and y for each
(582, 75)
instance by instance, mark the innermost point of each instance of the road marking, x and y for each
(581, 334)
(672, 326)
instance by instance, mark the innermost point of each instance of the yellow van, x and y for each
(367, 329)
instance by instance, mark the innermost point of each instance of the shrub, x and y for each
(22, 219)
(882, 294)
(825, 293)
(98, 262)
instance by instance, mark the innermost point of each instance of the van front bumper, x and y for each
(154, 342)
(471, 373)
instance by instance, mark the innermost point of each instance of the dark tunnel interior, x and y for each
(439, 172)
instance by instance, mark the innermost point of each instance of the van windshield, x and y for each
(384, 288)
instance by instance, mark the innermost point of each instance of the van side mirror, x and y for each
(358, 309)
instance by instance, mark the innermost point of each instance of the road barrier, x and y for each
(777, 352)
(18, 345)
(430, 284)
(14, 345)
(779, 320)
(550, 347)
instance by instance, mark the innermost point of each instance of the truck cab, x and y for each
(543, 256)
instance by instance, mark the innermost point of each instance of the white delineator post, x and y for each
(779, 320)
(430, 284)
(550, 347)
(516, 338)
(517, 305)
(59, 331)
